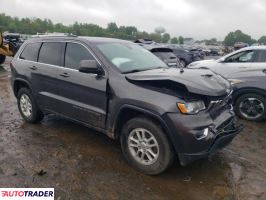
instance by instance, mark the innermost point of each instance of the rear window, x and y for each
(30, 52)
(261, 56)
(51, 53)
(179, 51)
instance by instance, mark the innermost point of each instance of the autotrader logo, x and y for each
(26, 193)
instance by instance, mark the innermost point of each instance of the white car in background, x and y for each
(249, 58)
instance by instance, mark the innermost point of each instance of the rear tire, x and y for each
(145, 146)
(251, 107)
(2, 59)
(28, 107)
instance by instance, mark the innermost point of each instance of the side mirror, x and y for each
(89, 67)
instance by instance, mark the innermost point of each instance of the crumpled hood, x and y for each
(197, 81)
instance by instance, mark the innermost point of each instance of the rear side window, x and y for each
(51, 53)
(74, 54)
(30, 52)
(165, 55)
(261, 57)
(179, 51)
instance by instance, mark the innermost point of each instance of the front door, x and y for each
(83, 96)
(236, 63)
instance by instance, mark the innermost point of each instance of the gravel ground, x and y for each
(83, 164)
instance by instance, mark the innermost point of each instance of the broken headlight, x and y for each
(235, 81)
(191, 107)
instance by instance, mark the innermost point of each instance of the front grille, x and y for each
(216, 107)
(226, 126)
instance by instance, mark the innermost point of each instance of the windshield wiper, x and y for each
(141, 70)
(161, 68)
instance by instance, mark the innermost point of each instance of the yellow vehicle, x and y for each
(5, 49)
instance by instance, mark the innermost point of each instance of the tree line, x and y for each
(33, 26)
(239, 36)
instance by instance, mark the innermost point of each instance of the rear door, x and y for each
(45, 74)
(83, 96)
(260, 60)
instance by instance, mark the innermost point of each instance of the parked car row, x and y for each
(158, 113)
(9, 45)
(185, 55)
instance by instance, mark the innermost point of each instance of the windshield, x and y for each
(130, 57)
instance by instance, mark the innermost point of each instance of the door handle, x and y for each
(65, 75)
(33, 67)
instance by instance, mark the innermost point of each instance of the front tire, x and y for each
(251, 107)
(145, 146)
(28, 107)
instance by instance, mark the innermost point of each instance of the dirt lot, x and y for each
(82, 164)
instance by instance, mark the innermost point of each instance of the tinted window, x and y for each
(51, 53)
(74, 54)
(165, 55)
(31, 51)
(245, 56)
(179, 51)
(261, 56)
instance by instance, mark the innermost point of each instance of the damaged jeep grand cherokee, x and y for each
(122, 90)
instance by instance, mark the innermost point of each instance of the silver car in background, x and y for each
(246, 69)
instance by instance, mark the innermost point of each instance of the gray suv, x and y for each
(122, 90)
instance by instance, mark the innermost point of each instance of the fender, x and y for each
(153, 115)
(135, 108)
(241, 91)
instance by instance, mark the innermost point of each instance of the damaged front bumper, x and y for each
(220, 142)
(199, 136)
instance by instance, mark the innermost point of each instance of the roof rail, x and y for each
(54, 35)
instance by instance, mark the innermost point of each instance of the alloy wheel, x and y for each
(143, 146)
(25, 105)
(251, 108)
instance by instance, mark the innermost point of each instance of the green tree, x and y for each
(181, 40)
(165, 38)
(112, 27)
(262, 40)
(155, 36)
(237, 36)
(174, 40)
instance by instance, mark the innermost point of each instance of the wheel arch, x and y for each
(19, 83)
(127, 112)
(243, 91)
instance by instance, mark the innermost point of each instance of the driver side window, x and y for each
(242, 57)
(74, 54)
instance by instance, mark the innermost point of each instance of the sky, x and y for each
(200, 19)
